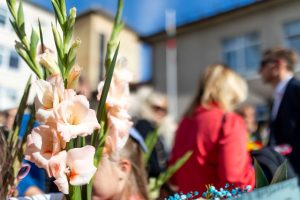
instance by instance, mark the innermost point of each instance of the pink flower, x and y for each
(119, 132)
(73, 76)
(117, 108)
(76, 165)
(119, 88)
(47, 60)
(43, 143)
(49, 94)
(74, 118)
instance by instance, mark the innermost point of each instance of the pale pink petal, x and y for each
(100, 88)
(69, 94)
(44, 94)
(58, 167)
(43, 115)
(42, 144)
(74, 118)
(74, 76)
(49, 95)
(47, 60)
(58, 164)
(119, 131)
(62, 184)
(81, 163)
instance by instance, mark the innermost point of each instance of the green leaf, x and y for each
(71, 56)
(20, 19)
(41, 36)
(21, 110)
(260, 177)
(11, 4)
(117, 27)
(75, 192)
(22, 52)
(59, 47)
(165, 176)
(109, 74)
(69, 28)
(280, 174)
(63, 9)
(33, 43)
(58, 13)
(150, 142)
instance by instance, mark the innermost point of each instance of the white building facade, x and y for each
(14, 72)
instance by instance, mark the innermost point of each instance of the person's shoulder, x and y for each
(234, 119)
(294, 83)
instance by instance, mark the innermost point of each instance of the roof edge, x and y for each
(259, 4)
(105, 14)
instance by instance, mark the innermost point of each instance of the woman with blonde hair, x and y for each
(216, 135)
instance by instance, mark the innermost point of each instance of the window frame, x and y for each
(6, 17)
(239, 44)
(287, 36)
(11, 52)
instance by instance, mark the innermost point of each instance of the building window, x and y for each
(242, 53)
(3, 16)
(292, 35)
(14, 60)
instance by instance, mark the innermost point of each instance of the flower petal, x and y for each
(62, 184)
(42, 144)
(81, 163)
(58, 164)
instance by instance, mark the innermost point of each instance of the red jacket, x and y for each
(219, 157)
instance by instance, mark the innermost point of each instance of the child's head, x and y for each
(121, 176)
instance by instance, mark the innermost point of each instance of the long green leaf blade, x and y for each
(281, 173)
(20, 19)
(164, 177)
(33, 43)
(260, 176)
(20, 113)
(109, 74)
(150, 142)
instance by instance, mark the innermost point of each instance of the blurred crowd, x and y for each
(219, 127)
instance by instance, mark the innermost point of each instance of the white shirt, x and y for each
(278, 94)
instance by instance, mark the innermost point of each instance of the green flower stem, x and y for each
(25, 48)
(113, 41)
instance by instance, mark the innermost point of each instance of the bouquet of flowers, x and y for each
(71, 137)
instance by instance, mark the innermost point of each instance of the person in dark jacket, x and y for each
(276, 69)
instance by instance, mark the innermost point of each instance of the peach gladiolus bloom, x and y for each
(76, 165)
(119, 126)
(74, 118)
(117, 108)
(49, 94)
(74, 76)
(47, 60)
(43, 143)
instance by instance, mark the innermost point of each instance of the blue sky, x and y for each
(147, 17)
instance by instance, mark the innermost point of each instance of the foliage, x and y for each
(279, 176)
(11, 149)
(155, 184)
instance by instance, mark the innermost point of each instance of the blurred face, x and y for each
(269, 71)
(110, 179)
(159, 110)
